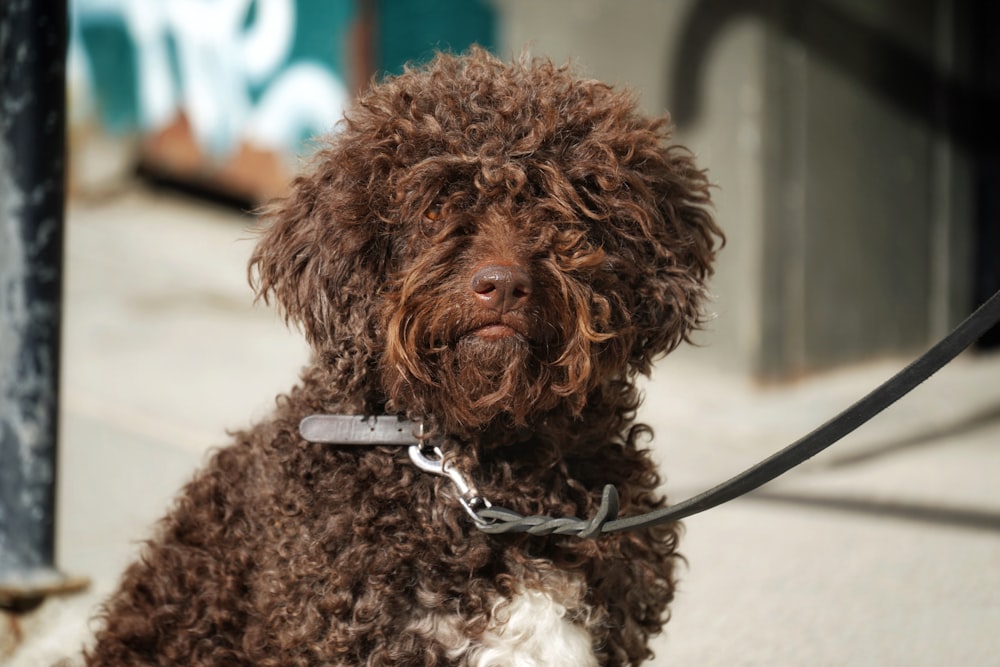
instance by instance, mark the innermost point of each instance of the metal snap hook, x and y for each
(468, 496)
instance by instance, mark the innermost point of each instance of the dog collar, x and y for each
(361, 430)
(388, 430)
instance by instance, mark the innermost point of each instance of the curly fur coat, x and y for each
(498, 250)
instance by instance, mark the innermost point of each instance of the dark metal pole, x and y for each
(33, 41)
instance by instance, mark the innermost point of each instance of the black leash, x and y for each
(903, 382)
(494, 520)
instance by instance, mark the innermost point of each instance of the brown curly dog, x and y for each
(497, 251)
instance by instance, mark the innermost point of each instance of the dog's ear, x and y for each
(319, 261)
(675, 262)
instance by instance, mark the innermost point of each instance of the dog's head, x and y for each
(484, 241)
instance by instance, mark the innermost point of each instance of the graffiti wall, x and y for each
(230, 91)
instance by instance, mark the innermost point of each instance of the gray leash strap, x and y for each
(498, 520)
(360, 430)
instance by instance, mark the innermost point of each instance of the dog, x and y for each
(495, 252)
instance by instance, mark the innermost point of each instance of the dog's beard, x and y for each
(492, 377)
(475, 382)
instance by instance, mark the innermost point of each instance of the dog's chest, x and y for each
(543, 619)
(480, 601)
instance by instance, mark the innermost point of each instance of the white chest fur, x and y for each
(533, 630)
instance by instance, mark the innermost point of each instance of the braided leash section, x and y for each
(498, 520)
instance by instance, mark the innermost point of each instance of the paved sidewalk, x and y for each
(884, 550)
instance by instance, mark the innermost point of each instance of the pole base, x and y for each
(21, 592)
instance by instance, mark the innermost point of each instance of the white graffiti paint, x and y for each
(219, 60)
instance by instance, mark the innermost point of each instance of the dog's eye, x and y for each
(434, 213)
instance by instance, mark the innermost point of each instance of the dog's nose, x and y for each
(502, 287)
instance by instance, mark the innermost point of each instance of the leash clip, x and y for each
(468, 496)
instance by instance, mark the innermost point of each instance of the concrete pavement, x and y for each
(885, 550)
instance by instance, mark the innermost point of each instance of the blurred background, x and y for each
(852, 142)
(853, 148)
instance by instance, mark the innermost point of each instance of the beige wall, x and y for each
(632, 43)
(847, 214)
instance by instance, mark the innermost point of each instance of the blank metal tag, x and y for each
(359, 430)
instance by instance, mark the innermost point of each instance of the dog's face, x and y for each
(484, 242)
